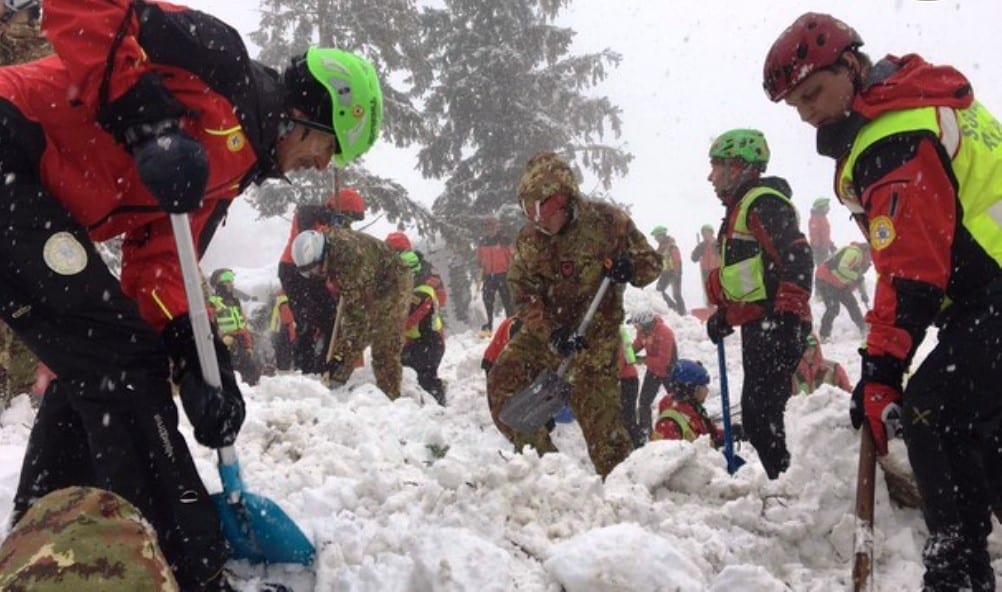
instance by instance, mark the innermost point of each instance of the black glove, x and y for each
(717, 327)
(619, 269)
(215, 413)
(171, 164)
(737, 432)
(564, 342)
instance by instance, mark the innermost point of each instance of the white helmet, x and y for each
(308, 249)
(642, 317)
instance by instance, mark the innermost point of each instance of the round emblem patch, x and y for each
(64, 254)
(882, 232)
(236, 141)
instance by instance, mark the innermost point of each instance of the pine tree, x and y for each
(506, 87)
(386, 33)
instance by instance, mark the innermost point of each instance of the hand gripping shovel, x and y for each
(529, 409)
(734, 461)
(256, 528)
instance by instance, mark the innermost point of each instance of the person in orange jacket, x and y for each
(494, 253)
(836, 281)
(656, 339)
(707, 254)
(819, 231)
(671, 272)
(814, 370)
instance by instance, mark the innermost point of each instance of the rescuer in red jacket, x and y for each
(147, 109)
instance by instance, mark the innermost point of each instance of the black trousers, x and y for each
(670, 278)
(770, 352)
(424, 355)
(628, 389)
(648, 392)
(314, 308)
(496, 283)
(951, 411)
(834, 299)
(109, 420)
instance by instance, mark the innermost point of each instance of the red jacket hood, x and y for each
(914, 83)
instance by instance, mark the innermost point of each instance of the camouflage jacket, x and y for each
(554, 278)
(365, 270)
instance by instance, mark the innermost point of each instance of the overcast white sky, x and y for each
(692, 69)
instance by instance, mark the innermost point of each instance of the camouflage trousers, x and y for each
(595, 397)
(387, 316)
(17, 366)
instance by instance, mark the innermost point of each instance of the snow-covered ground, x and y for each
(409, 496)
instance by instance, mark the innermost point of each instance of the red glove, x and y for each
(880, 407)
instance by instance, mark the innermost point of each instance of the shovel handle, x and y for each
(199, 315)
(583, 326)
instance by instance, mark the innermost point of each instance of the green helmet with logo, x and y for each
(748, 145)
(659, 231)
(339, 93)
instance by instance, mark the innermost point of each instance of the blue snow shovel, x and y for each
(529, 409)
(734, 461)
(256, 528)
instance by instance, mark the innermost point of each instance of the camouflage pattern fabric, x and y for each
(17, 366)
(553, 279)
(82, 539)
(546, 174)
(375, 288)
(21, 41)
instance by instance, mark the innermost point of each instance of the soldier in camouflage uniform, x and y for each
(21, 41)
(374, 294)
(560, 259)
(85, 540)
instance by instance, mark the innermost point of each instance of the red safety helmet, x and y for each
(348, 202)
(813, 42)
(398, 241)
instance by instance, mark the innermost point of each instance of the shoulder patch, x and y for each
(236, 141)
(881, 232)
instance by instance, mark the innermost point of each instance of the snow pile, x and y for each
(408, 496)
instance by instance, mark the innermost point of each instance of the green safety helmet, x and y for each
(339, 93)
(706, 227)
(820, 203)
(748, 145)
(223, 275)
(411, 259)
(659, 231)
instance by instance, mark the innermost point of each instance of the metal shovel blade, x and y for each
(529, 409)
(261, 532)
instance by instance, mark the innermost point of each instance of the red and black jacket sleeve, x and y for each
(119, 55)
